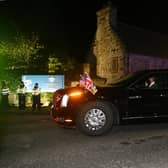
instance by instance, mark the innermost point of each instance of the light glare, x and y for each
(75, 94)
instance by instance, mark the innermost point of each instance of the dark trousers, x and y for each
(22, 101)
(36, 102)
(4, 102)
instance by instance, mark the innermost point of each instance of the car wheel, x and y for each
(95, 118)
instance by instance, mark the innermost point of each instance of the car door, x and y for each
(144, 101)
(164, 97)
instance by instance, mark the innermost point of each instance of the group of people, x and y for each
(21, 92)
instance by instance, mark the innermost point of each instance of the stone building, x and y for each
(119, 48)
(108, 48)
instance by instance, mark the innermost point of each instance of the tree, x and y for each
(16, 55)
(60, 64)
(22, 50)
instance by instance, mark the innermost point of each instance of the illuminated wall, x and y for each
(138, 62)
(108, 49)
(116, 49)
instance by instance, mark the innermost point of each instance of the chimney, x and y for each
(113, 15)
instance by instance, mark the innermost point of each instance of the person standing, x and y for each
(36, 91)
(4, 95)
(21, 91)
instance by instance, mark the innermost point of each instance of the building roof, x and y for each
(141, 41)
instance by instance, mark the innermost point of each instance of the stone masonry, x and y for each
(108, 48)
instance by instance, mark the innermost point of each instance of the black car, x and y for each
(127, 99)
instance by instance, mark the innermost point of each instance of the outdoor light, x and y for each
(51, 79)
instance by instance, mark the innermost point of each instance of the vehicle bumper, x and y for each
(63, 116)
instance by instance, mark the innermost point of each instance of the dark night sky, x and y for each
(69, 25)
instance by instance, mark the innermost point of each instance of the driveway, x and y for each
(34, 141)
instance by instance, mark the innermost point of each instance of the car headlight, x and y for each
(66, 97)
(52, 106)
(64, 101)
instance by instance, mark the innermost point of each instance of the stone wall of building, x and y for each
(108, 48)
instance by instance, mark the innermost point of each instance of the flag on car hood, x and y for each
(86, 82)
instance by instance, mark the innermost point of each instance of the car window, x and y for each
(151, 81)
(127, 79)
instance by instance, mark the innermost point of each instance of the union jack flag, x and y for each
(82, 81)
(86, 81)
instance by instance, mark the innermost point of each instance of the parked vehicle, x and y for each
(127, 99)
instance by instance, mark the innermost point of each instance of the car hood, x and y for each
(102, 92)
(106, 92)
